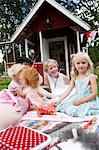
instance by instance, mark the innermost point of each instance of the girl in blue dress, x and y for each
(84, 101)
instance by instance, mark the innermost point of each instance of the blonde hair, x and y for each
(74, 72)
(15, 69)
(30, 76)
(48, 62)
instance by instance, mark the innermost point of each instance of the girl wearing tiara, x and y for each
(84, 101)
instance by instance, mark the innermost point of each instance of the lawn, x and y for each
(4, 82)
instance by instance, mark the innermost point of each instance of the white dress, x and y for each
(57, 85)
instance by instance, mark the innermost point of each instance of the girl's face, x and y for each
(81, 65)
(52, 70)
(17, 77)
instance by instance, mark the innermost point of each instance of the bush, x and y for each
(1, 69)
(96, 71)
(94, 55)
(4, 82)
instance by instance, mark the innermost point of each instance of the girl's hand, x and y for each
(18, 109)
(77, 102)
(58, 102)
(20, 92)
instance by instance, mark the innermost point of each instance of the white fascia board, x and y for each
(69, 14)
(24, 23)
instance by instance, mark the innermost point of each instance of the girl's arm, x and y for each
(19, 92)
(93, 85)
(15, 89)
(44, 92)
(67, 92)
(67, 81)
(40, 79)
(47, 82)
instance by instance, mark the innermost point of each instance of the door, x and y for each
(57, 51)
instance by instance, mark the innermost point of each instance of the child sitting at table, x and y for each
(28, 63)
(16, 87)
(12, 100)
(36, 94)
(84, 101)
(56, 81)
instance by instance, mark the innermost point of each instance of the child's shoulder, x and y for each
(62, 74)
(13, 83)
(93, 76)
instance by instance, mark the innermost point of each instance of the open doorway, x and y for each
(57, 51)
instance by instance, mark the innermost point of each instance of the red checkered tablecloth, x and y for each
(22, 138)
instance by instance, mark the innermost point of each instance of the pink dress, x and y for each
(23, 103)
(34, 97)
(7, 96)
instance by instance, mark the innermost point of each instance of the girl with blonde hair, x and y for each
(9, 96)
(12, 100)
(16, 87)
(56, 81)
(74, 72)
(84, 101)
(36, 94)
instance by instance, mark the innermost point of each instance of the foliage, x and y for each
(1, 68)
(94, 55)
(12, 13)
(88, 10)
(4, 82)
(68, 4)
(96, 71)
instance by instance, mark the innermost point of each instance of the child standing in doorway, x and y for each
(56, 81)
(84, 100)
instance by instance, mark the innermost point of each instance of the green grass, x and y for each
(4, 82)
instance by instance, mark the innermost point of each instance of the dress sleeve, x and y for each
(93, 76)
(40, 79)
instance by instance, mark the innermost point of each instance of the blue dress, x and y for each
(83, 89)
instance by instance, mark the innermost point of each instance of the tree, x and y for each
(68, 4)
(88, 10)
(8, 20)
(12, 14)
